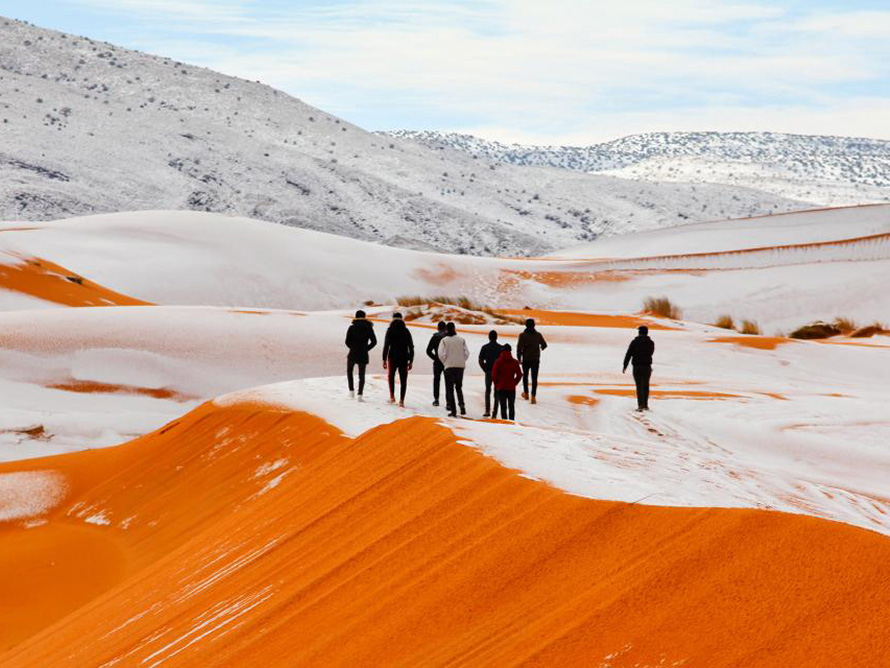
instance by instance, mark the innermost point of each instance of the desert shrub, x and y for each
(725, 322)
(816, 330)
(749, 327)
(845, 325)
(870, 330)
(413, 314)
(411, 301)
(662, 307)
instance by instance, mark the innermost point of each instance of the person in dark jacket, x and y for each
(505, 375)
(640, 353)
(432, 351)
(487, 357)
(398, 356)
(528, 352)
(360, 339)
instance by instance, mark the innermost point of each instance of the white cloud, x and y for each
(552, 69)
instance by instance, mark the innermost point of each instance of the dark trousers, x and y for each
(438, 368)
(350, 367)
(402, 367)
(531, 365)
(488, 393)
(454, 382)
(507, 400)
(642, 374)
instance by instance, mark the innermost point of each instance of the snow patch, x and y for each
(28, 494)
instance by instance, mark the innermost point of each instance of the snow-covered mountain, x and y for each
(87, 127)
(816, 169)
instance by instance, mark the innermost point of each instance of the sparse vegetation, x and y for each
(725, 322)
(845, 325)
(816, 330)
(871, 330)
(662, 307)
(839, 327)
(750, 327)
(471, 313)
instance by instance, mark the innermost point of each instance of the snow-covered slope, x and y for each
(782, 271)
(760, 471)
(88, 127)
(822, 170)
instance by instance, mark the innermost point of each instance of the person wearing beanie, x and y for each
(528, 352)
(640, 352)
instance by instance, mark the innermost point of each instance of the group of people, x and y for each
(449, 354)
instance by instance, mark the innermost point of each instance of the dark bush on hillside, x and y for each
(870, 330)
(817, 330)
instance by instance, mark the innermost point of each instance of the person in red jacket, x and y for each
(506, 375)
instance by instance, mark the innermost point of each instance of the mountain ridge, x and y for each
(821, 169)
(88, 127)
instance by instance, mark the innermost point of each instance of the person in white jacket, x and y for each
(453, 353)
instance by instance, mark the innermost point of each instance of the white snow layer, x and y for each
(28, 494)
(801, 429)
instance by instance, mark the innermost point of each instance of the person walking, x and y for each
(432, 351)
(640, 353)
(360, 339)
(488, 355)
(398, 356)
(528, 353)
(453, 353)
(506, 375)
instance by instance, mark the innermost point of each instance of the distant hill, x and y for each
(88, 127)
(816, 169)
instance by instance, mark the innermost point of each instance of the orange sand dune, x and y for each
(93, 387)
(572, 319)
(53, 283)
(758, 342)
(582, 400)
(405, 548)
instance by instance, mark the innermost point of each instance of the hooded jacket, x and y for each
(453, 352)
(360, 338)
(398, 345)
(506, 373)
(530, 344)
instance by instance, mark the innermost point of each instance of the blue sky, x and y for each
(532, 71)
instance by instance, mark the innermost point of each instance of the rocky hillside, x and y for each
(816, 169)
(88, 127)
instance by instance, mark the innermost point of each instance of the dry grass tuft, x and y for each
(845, 325)
(870, 330)
(662, 307)
(725, 322)
(416, 300)
(750, 327)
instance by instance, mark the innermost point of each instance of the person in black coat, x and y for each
(360, 339)
(432, 351)
(398, 356)
(640, 353)
(488, 355)
(528, 352)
